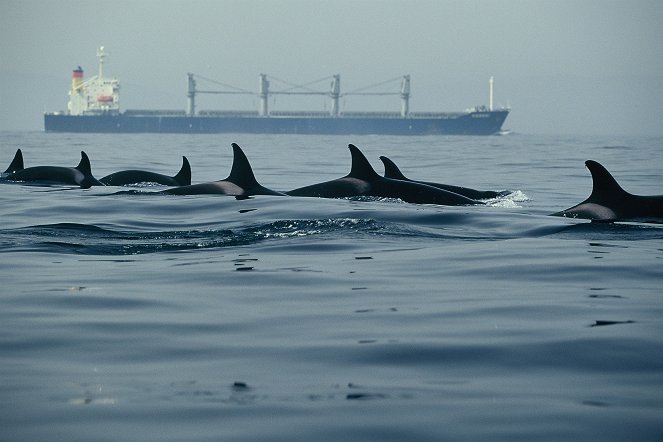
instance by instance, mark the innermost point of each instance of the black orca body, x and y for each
(241, 182)
(80, 175)
(608, 202)
(16, 164)
(126, 177)
(392, 171)
(363, 180)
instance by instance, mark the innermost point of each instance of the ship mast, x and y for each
(405, 96)
(191, 96)
(335, 93)
(101, 55)
(490, 94)
(263, 87)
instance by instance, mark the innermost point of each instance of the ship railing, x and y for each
(436, 115)
(98, 112)
(359, 114)
(227, 113)
(302, 114)
(153, 113)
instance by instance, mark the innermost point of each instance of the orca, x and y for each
(392, 171)
(363, 180)
(16, 164)
(608, 202)
(80, 175)
(241, 182)
(125, 177)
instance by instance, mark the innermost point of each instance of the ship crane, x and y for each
(404, 93)
(264, 92)
(192, 91)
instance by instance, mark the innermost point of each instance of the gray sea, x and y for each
(134, 316)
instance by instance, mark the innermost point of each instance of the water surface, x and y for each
(136, 316)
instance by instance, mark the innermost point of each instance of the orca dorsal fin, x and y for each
(604, 186)
(391, 170)
(241, 172)
(17, 163)
(361, 168)
(183, 177)
(84, 166)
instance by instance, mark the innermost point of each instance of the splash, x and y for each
(509, 201)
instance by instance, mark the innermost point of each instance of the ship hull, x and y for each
(471, 123)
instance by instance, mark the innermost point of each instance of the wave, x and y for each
(423, 226)
(94, 240)
(129, 227)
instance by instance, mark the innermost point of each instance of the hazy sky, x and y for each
(564, 66)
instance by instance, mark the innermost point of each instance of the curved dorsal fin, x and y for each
(183, 177)
(391, 170)
(361, 168)
(84, 165)
(17, 163)
(604, 186)
(241, 172)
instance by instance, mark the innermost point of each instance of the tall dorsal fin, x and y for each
(183, 177)
(361, 168)
(17, 163)
(84, 165)
(241, 172)
(604, 186)
(391, 170)
(84, 168)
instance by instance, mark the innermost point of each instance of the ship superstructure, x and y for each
(95, 96)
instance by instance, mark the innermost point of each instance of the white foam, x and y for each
(509, 201)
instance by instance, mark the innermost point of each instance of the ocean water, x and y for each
(135, 316)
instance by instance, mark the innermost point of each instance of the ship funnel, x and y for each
(76, 80)
(77, 99)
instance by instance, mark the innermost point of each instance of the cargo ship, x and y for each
(94, 107)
